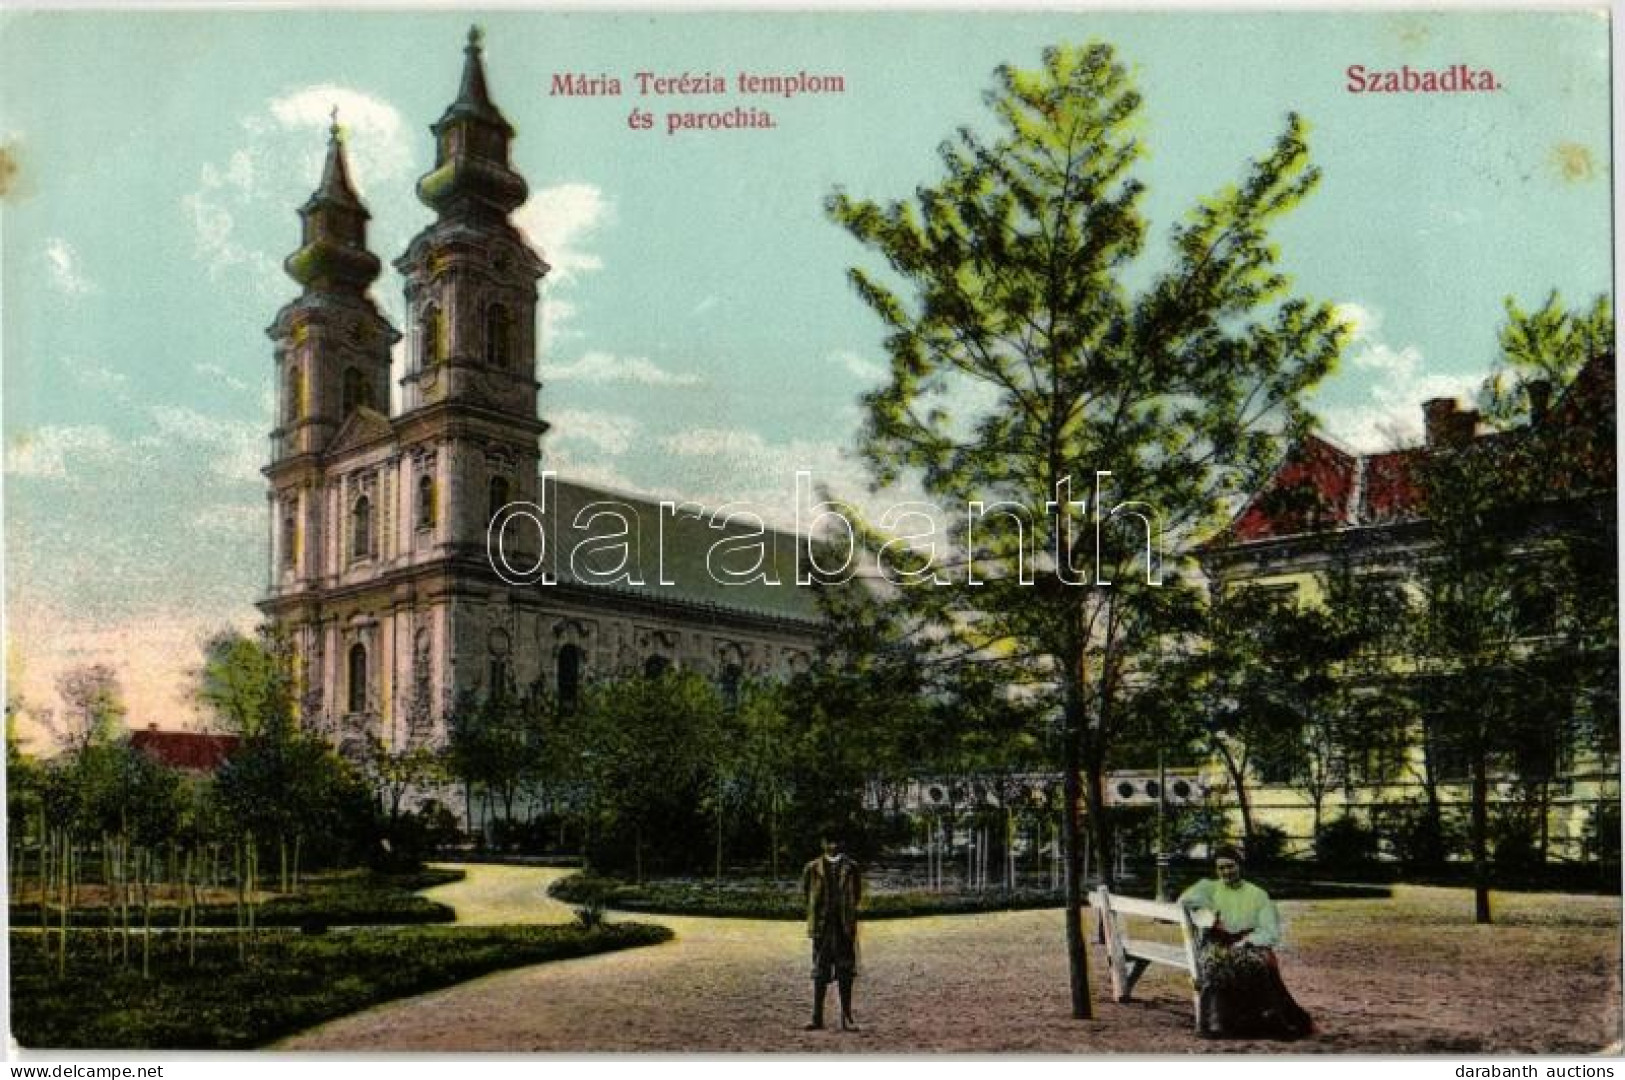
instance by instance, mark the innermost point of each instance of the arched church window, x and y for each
(290, 537)
(358, 678)
(569, 676)
(361, 528)
(421, 652)
(296, 394)
(498, 336)
(432, 347)
(501, 645)
(499, 496)
(355, 390)
(426, 502)
(656, 666)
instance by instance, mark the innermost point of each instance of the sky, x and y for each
(701, 339)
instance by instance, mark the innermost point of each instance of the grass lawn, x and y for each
(288, 982)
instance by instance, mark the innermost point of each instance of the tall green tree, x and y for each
(1517, 633)
(1024, 366)
(246, 682)
(494, 744)
(645, 750)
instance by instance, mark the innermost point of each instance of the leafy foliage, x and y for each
(1021, 362)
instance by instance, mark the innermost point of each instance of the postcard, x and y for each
(1032, 532)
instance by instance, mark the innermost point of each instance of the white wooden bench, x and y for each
(1127, 958)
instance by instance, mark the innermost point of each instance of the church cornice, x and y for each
(462, 418)
(467, 574)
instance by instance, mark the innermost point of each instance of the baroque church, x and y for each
(380, 518)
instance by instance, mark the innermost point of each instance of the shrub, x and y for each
(1346, 843)
(1515, 848)
(1417, 840)
(1266, 846)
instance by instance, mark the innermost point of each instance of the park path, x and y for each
(502, 896)
(1408, 975)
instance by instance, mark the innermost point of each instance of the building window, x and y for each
(421, 651)
(656, 666)
(432, 347)
(498, 336)
(426, 502)
(361, 528)
(569, 676)
(355, 390)
(499, 497)
(732, 677)
(290, 538)
(358, 678)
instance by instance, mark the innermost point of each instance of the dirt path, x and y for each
(1410, 975)
(503, 896)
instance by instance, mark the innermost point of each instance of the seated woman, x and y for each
(1241, 992)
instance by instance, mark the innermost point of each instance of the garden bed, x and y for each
(339, 898)
(755, 898)
(287, 982)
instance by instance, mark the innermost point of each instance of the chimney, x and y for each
(152, 727)
(1436, 416)
(1446, 424)
(1540, 399)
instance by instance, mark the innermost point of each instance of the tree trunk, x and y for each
(1481, 830)
(1077, 957)
(65, 870)
(773, 837)
(1238, 779)
(719, 835)
(145, 861)
(238, 909)
(107, 885)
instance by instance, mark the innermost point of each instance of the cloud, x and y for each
(725, 465)
(596, 474)
(245, 520)
(601, 367)
(705, 305)
(1398, 383)
(66, 275)
(234, 449)
(608, 432)
(58, 452)
(1362, 321)
(375, 139)
(559, 220)
(287, 140)
(219, 375)
(101, 379)
(870, 371)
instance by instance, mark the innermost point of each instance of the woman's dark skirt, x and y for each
(1242, 995)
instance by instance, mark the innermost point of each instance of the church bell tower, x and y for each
(471, 280)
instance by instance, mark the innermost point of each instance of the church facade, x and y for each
(381, 572)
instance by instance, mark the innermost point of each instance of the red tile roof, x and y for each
(1320, 487)
(189, 751)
